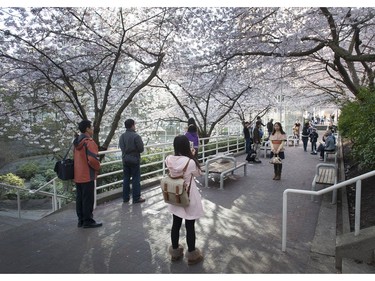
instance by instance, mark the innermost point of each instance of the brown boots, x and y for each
(278, 169)
(176, 254)
(193, 257)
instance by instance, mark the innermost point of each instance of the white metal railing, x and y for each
(228, 144)
(219, 143)
(357, 180)
(56, 198)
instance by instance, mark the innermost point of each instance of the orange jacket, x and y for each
(86, 163)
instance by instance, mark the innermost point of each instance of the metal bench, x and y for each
(266, 147)
(326, 153)
(292, 139)
(325, 174)
(222, 165)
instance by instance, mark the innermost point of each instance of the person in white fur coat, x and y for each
(175, 164)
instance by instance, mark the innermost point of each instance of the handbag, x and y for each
(275, 160)
(65, 167)
(175, 190)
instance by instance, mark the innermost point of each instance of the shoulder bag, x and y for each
(65, 167)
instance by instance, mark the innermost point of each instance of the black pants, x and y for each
(190, 233)
(305, 141)
(85, 201)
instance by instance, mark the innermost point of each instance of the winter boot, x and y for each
(280, 170)
(278, 173)
(194, 256)
(275, 169)
(176, 254)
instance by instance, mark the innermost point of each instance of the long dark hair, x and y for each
(192, 126)
(281, 128)
(181, 147)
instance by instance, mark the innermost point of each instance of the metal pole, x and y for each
(283, 240)
(357, 220)
(18, 203)
(94, 194)
(54, 197)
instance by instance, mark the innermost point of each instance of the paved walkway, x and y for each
(241, 232)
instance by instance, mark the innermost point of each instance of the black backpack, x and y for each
(251, 155)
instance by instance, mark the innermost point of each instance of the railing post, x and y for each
(204, 152)
(54, 205)
(94, 194)
(18, 203)
(357, 220)
(163, 160)
(284, 223)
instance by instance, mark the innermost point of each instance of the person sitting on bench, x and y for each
(329, 144)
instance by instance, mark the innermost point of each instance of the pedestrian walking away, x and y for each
(305, 135)
(278, 139)
(131, 145)
(86, 167)
(176, 164)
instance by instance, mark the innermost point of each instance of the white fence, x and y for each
(155, 154)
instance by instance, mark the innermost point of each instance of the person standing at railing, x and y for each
(176, 164)
(257, 139)
(246, 133)
(131, 145)
(86, 167)
(278, 139)
(192, 135)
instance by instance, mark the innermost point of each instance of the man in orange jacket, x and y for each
(86, 167)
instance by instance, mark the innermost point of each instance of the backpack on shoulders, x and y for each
(175, 190)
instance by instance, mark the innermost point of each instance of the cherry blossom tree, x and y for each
(80, 63)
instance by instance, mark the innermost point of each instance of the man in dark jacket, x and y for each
(86, 167)
(257, 138)
(131, 145)
(247, 137)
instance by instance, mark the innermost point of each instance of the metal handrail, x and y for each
(357, 180)
(56, 203)
(167, 148)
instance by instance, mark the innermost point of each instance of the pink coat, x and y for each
(195, 210)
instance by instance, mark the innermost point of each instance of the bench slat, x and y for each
(326, 176)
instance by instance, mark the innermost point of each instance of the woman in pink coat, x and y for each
(176, 164)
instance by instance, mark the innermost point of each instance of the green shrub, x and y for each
(12, 179)
(28, 170)
(37, 181)
(357, 123)
(49, 174)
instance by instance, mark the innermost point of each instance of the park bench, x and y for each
(223, 165)
(326, 153)
(325, 174)
(292, 140)
(266, 146)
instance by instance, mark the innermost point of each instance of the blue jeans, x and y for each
(134, 172)
(247, 145)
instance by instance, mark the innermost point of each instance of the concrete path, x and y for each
(241, 232)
